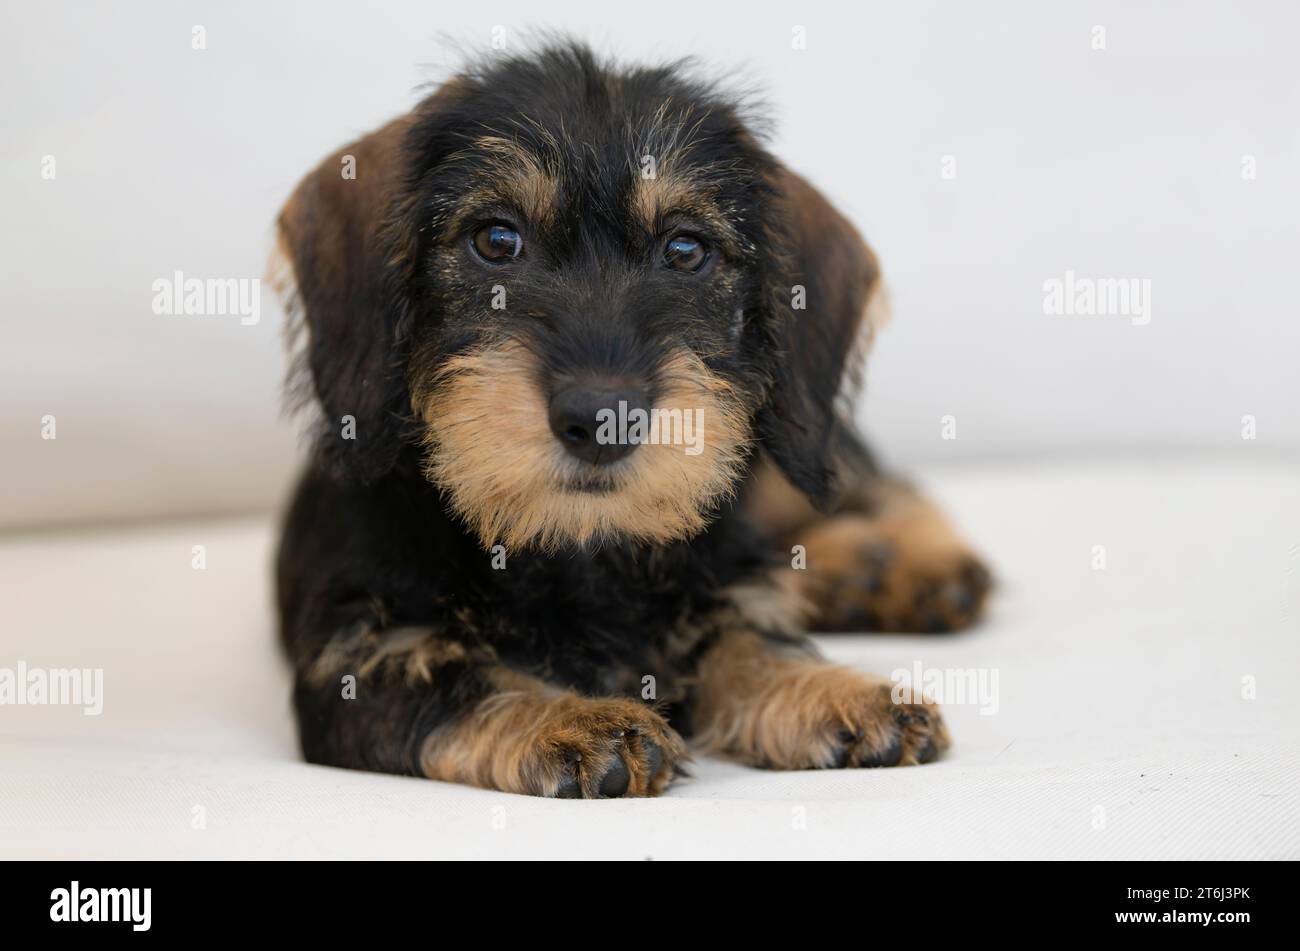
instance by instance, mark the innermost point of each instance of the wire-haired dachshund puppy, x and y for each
(585, 354)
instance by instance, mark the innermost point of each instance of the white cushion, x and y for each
(1121, 730)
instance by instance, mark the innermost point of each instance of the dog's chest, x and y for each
(593, 620)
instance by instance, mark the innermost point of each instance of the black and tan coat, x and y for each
(471, 593)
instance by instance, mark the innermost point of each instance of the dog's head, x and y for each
(587, 295)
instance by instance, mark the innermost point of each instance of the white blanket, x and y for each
(1145, 708)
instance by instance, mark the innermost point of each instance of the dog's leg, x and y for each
(406, 700)
(762, 695)
(887, 560)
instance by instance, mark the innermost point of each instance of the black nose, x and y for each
(588, 421)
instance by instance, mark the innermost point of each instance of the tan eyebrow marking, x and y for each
(512, 173)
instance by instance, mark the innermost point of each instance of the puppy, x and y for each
(495, 571)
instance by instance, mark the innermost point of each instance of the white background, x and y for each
(1117, 163)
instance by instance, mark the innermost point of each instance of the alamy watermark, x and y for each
(181, 296)
(1099, 297)
(56, 686)
(637, 426)
(947, 685)
(75, 903)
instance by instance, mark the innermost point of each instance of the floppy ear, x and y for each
(821, 333)
(332, 234)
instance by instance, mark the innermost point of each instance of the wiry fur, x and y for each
(490, 449)
(464, 601)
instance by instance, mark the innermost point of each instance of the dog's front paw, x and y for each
(807, 714)
(606, 749)
(562, 746)
(879, 732)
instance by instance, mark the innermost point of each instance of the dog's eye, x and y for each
(685, 252)
(498, 243)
